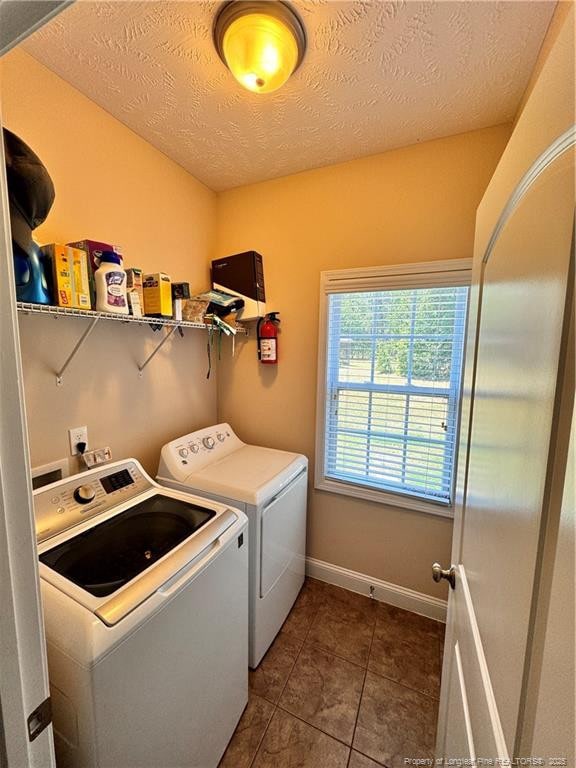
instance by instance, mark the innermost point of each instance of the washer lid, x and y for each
(251, 474)
(113, 607)
(104, 558)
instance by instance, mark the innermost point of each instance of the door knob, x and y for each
(439, 573)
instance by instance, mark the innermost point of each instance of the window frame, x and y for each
(429, 274)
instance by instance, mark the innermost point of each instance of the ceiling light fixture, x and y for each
(262, 42)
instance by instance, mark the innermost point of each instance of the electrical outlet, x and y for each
(77, 435)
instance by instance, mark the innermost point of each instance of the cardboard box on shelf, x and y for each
(69, 268)
(59, 258)
(134, 303)
(180, 292)
(134, 283)
(157, 295)
(80, 281)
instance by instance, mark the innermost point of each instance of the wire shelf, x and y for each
(48, 309)
(95, 317)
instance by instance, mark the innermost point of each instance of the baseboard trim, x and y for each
(384, 591)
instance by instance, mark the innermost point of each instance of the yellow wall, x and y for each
(111, 186)
(412, 204)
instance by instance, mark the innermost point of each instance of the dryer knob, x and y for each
(209, 442)
(183, 452)
(221, 437)
(194, 448)
(84, 494)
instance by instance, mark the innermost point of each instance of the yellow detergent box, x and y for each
(70, 282)
(157, 295)
(80, 278)
(59, 257)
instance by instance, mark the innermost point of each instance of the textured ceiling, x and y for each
(376, 75)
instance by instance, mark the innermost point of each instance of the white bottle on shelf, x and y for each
(110, 279)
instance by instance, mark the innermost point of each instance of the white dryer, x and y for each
(145, 595)
(270, 486)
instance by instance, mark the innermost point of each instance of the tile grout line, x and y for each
(410, 687)
(301, 719)
(339, 656)
(363, 686)
(276, 705)
(335, 655)
(316, 728)
(350, 746)
(297, 656)
(376, 762)
(384, 677)
(406, 687)
(264, 732)
(324, 733)
(312, 725)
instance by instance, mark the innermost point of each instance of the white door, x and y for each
(23, 671)
(523, 292)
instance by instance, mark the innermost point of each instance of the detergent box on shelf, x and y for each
(69, 268)
(157, 295)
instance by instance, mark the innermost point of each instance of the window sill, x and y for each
(382, 497)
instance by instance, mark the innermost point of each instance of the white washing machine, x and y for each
(145, 594)
(271, 487)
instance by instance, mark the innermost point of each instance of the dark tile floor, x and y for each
(348, 683)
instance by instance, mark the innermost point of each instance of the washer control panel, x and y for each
(192, 452)
(72, 500)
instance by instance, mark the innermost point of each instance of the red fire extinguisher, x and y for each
(268, 338)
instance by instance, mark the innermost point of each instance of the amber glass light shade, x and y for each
(259, 43)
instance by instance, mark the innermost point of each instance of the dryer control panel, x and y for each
(192, 452)
(74, 499)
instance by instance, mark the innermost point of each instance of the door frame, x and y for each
(23, 666)
(20, 18)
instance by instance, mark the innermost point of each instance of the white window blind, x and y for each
(392, 385)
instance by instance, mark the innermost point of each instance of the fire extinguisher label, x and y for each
(268, 349)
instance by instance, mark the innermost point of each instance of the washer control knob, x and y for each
(221, 437)
(84, 494)
(209, 443)
(194, 447)
(183, 452)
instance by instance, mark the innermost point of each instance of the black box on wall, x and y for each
(243, 275)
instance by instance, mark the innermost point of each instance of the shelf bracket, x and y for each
(72, 355)
(157, 349)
